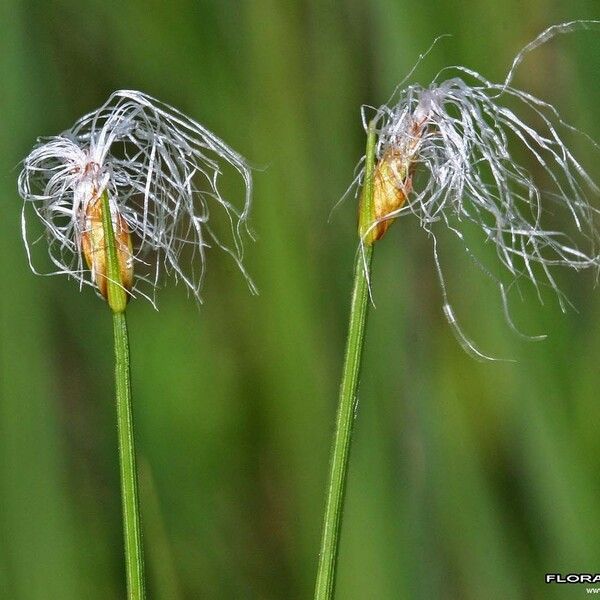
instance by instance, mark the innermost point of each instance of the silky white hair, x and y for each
(463, 134)
(161, 172)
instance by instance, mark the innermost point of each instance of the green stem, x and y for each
(340, 454)
(117, 300)
(134, 559)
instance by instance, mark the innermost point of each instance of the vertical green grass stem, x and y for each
(340, 454)
(134, 559)
(117, 300)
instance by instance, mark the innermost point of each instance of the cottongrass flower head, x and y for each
(447, 153)
(160, 171)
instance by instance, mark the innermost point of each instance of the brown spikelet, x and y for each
(94, 250)
(392, 182)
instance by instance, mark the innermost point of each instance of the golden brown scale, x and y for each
(94, 250)
(392, 182)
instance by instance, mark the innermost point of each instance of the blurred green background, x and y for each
(468, 480)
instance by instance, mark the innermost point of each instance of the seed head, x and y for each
(160, 171)
(449, 153)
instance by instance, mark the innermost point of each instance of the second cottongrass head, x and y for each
(160, 171)
(449, 153)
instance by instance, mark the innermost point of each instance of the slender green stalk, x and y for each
(117, 300)
(340, 454)
(134, 559)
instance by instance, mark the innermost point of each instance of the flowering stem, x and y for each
(340, 454)
(134, 558)
(117, 300)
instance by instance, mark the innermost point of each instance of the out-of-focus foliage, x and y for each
(468, 480)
